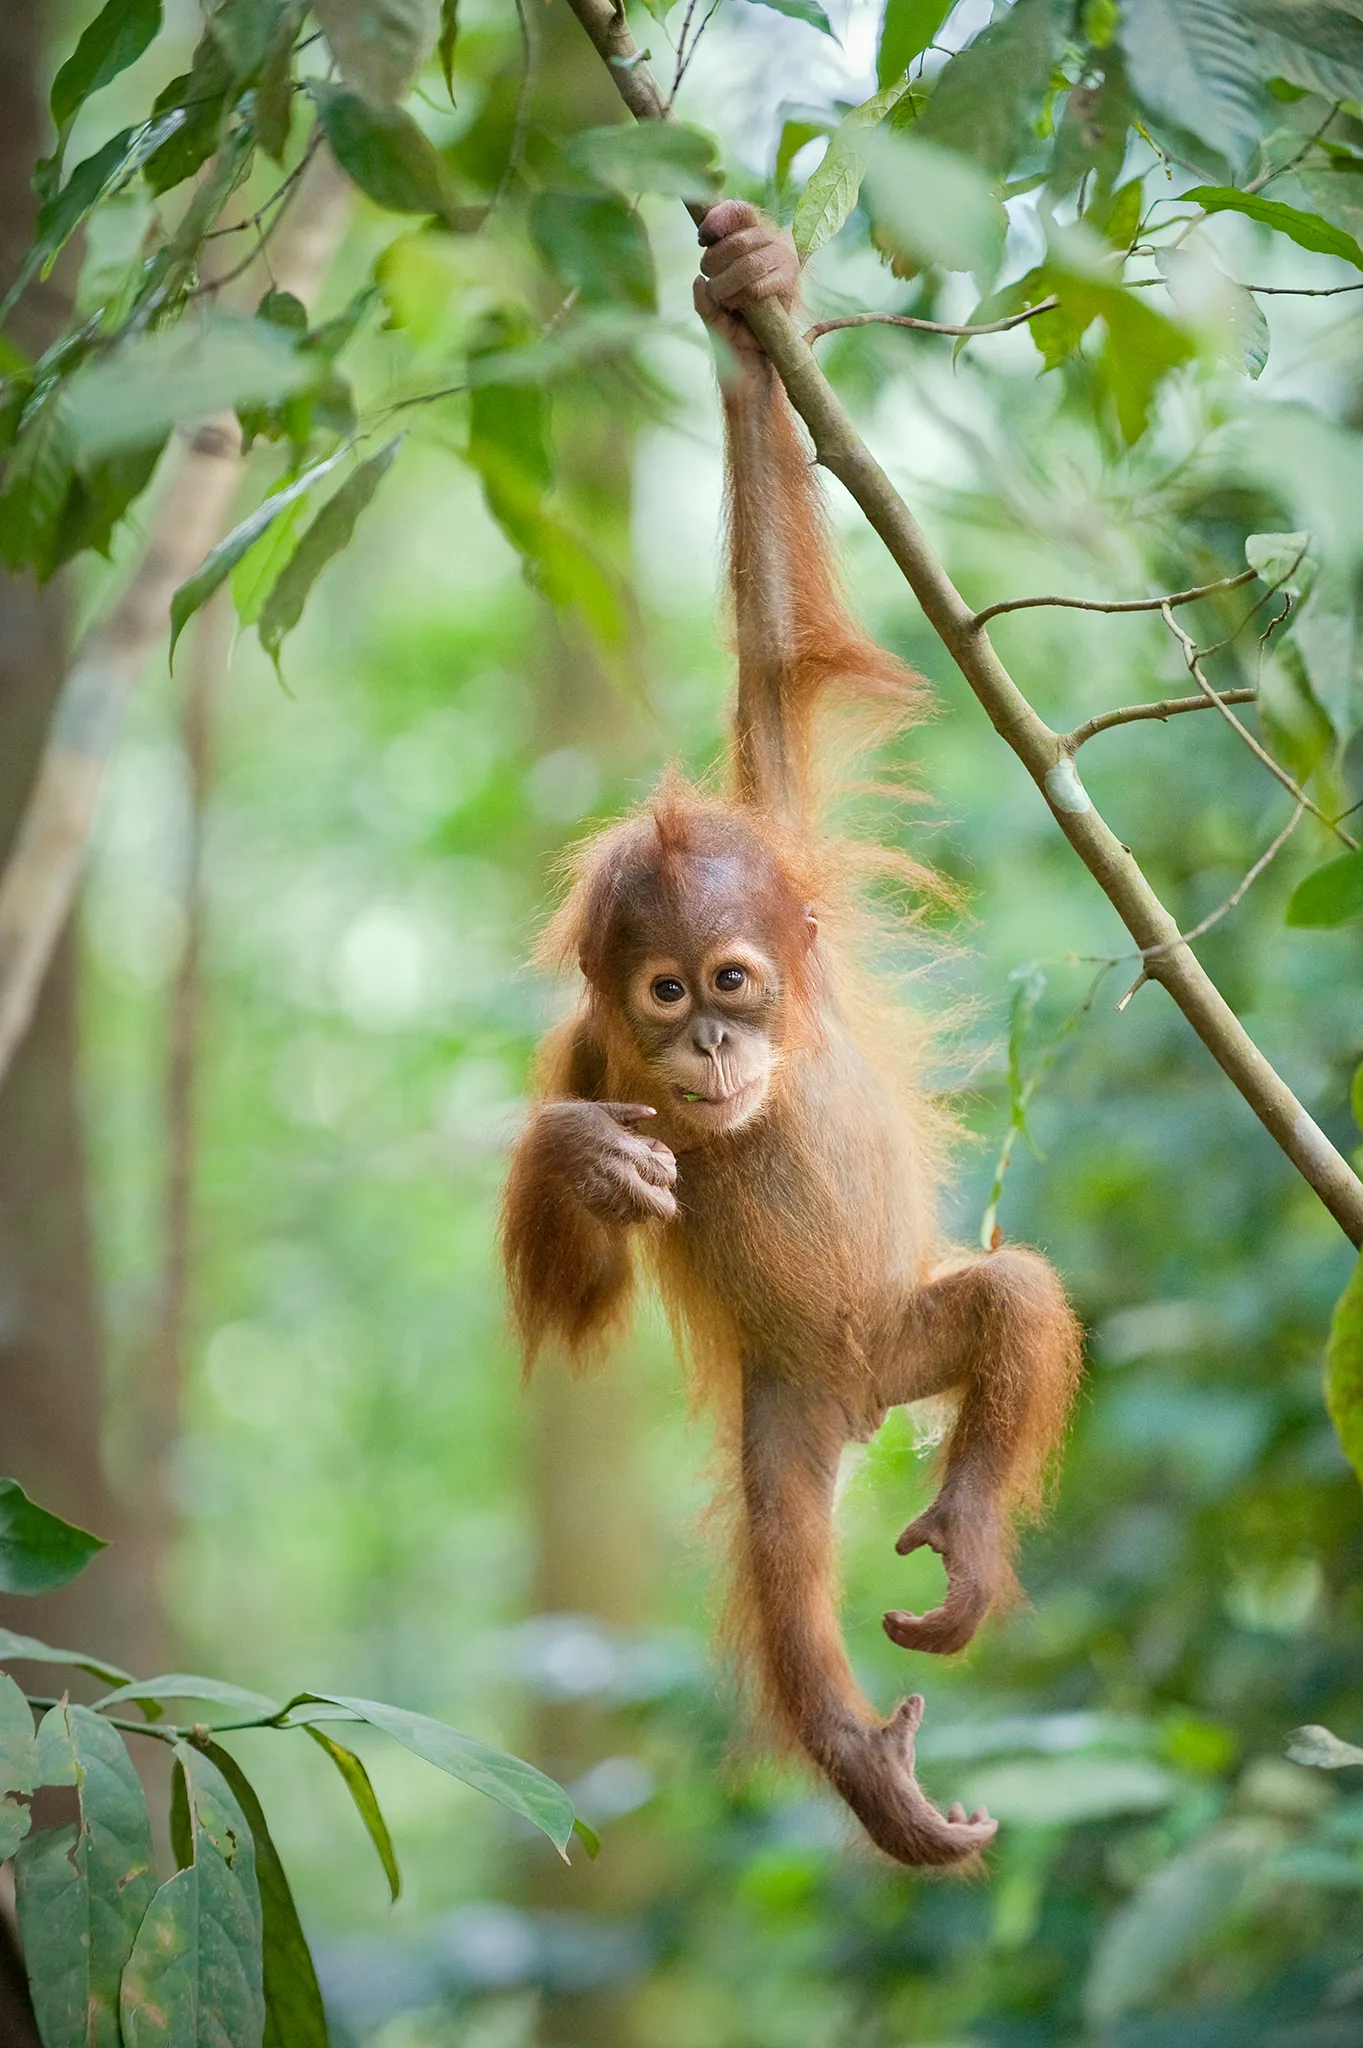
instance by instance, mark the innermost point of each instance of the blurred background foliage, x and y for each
(364, 1499)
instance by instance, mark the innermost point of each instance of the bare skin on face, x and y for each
(733, 1105)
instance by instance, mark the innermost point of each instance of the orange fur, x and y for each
(798, 1251)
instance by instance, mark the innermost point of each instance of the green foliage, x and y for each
(801, 10)
(1332, 895)
(38, 1550)
(381, 45)
(906, 29)
(1307, 230)
(1344, 1370)
(386, 154)
(116, 38)
(215, 1954)
(831, 193)
(328, 535)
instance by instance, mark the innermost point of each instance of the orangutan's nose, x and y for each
(708, 1036)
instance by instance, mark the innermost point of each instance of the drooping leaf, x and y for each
(1307, 230)
(18, 1765)
(1142, 348)
(195, 1976)
(356, 1780)
(386, 154)
(187, 1685)
(801, 10)
(649, 156)
(1294, 719)
(219, 563)
(906, 29)
(144, 388)
(37, 480)
(1321, 1750)
(274, 88)
(294, 2017)
(81, 1898)
(597, 245)
(99, 496)
(1330, 896)
(832, 190)
(1191, 62)
(1286, 560)
(589, 1839)
(445, 41)
(1344, 1368)
(38, 1550)
(1207, 298)
(987, 97)
(116, 38)
(379, 45)
(508, 1779)
(794, 135)
(328, 535)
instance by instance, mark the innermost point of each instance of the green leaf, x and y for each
(38, 1550)
(17, 1649)
(932, 205)
(1321, 1750)
(81, 1899)
(906, 29)
(19, 1766)
(832, 190)
(244, 31)
(1344, 1369)
(445, 41)
(1333, 895)
(1142, 347)
(329, 533)
(116, 38)
(1317, 46)
(1307, 230)
(220, 561)
(515, 1784)
(801, 10)
(1234, 317)
(141, 390)
(294, 2017)
(649, 156)
(386, 154)
(37, 480)
(794, 136)
(1191, 62)
(274, 89)
(356, 1779)
(379, 45)
(195, 1976)
(200, 97)
(589, 1839)
(597, 245)
(98, 499)
(987, 97)
(98, 175)
(1285, 560)
(255, 574)
(187, 1685)
(1055, 1791)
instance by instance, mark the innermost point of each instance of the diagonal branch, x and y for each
(1042, 752)
(40, 881)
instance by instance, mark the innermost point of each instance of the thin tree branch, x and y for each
(1192, 657)
(40, 880)
(1129, 714)
(1124, 604)
(822, 327)
(1042, 752)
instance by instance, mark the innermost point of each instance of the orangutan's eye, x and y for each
(667, 989)
(730, 978)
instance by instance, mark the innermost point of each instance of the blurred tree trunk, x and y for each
(51, 1339)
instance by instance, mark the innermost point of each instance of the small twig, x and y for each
(683, 68)
(1267, 175)
(1169, 707)
(1242, 887)
(1125, 604)
(280, 198)
(822, 327)
(1192, 657)
(680, 71)
(266, 206)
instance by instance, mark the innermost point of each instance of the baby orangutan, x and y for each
(735, 1103)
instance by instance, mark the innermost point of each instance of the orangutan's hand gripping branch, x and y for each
(784, 1196)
